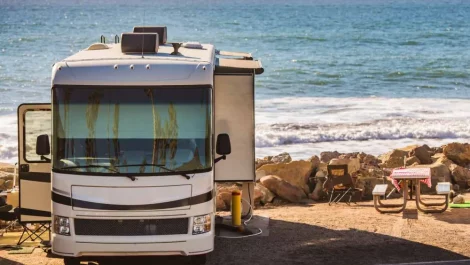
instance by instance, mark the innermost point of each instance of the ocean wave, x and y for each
(270, 135)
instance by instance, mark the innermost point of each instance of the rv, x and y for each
(125, 159)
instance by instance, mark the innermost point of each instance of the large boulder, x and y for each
(296, 173)
(259, 162)
(220, 203)
(423, 153)
(283, 188)
(281, 158)
(368, 160)
(327, 156)
(318, 192)
(460, 174)
(439, 173)
(263, 195)
(394, 158)
(412, 160)
(315, 160)
(354, 164)
(367, 185)
(458, 152)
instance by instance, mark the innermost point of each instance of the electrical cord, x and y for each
(245, 223)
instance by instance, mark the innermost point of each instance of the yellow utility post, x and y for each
(236, 208)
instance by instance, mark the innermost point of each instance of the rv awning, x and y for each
(238, 66)
(244, 55)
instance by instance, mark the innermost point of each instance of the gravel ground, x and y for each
(337, 234)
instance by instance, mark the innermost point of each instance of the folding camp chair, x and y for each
(33, 234)
(28, 233)
(8, 216)
(340, 184)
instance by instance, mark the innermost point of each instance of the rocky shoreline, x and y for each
(280, 180)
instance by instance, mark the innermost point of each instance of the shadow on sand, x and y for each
(294, 243)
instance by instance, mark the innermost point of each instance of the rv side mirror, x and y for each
(223, 146)
(42, 145)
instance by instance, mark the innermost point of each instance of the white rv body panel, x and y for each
(134, 246)
(111, 67)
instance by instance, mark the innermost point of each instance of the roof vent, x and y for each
(97, 46)
(139, 42)
(192, 45)
(160, 30)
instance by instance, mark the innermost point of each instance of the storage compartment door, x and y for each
(234, 115)
(34, 170)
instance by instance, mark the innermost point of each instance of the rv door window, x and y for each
(120, 126)
(35, 123)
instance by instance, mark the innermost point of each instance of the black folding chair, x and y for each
(339, 184)
(33, 234)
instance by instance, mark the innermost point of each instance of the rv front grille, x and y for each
(134, 227)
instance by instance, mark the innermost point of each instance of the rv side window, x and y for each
(36, 123)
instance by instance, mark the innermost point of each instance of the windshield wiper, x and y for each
(159, 166)
(100, 166)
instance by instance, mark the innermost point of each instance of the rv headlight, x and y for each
(201, 224)
(62, 225)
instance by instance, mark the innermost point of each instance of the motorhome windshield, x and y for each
(137, 130)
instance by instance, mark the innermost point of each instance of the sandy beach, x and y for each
(315, 233)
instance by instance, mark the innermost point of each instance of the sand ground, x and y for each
(320, 234)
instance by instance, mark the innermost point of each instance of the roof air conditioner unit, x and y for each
(139, 42)
(161, 30)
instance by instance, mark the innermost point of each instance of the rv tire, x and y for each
(198, 259)
(71, 261)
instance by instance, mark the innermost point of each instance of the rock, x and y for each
(263, 195)
(393, 159)
(296, 173)
(226, 198)
(322, 167)
(439, 173)
(459, 173)
(459, 153)
(423, 153)
(459, 199)
(315, 160)
(6, 176)
(320, 174)
(281, 158)
(318, 192)
(2, 181)
(283, 188)
(367, 185)
(411, 160)
(327, 156)
(8, 184)
(368, 160)
(5, 167)
(259, 174)
(436, 150)
(353, 164)
(259, 162)
(220, 203)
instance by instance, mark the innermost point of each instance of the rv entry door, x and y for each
(235, 116)
(34, 166)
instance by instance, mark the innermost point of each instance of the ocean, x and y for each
(345, 75)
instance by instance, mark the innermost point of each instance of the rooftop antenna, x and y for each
(143, 39)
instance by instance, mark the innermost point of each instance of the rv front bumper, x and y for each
(185, 245)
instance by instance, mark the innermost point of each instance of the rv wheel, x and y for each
(198, 259)
(71, 261)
